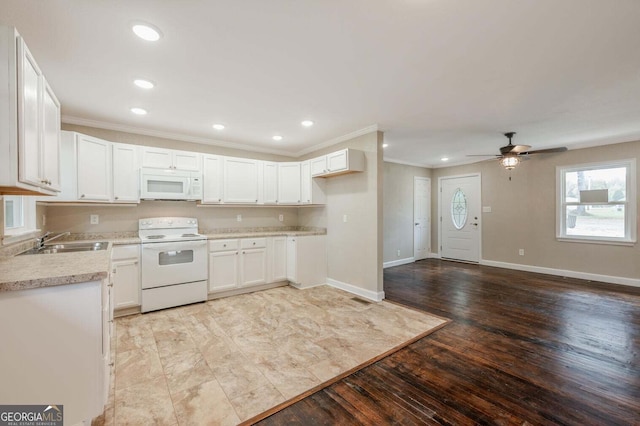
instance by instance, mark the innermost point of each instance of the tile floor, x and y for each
(227, 360)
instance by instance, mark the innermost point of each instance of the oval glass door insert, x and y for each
(459, 209)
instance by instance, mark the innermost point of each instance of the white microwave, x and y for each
(161, 184)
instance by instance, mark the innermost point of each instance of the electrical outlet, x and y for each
(239, 218)
(486, 209)
(281, 218)
(344, 218)
(398, 253)
(94, 219)
(521, 252)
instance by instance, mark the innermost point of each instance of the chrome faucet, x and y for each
(43, 239)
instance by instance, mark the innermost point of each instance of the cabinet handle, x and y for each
(244, 252)
(219, 199)
(224, 245)
(115, 198)
(111, 364)
(254, 243)
(82, 196)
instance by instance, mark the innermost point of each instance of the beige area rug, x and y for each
(229, 360)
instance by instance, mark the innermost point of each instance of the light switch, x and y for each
(94, 219)
(239, 218)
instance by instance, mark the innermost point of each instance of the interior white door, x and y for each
(421, 217)
(460, 218)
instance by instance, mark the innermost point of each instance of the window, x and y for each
(597, 202)
(19, 217)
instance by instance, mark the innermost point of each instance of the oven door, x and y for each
(173, 263)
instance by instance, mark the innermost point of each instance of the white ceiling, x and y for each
(439, 77)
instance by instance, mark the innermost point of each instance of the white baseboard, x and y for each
(634, 282)
(434, 256)
(398, 262)
(367, 294)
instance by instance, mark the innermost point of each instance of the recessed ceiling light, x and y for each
(145, 84)
(277, 138)
(307, 123)
(139, 111)
(444, 159)
(218, 126)
(146, 32)
(384, 145)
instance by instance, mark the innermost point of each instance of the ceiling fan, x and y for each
(511, 155)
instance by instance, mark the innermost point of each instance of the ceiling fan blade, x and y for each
(545, 151)
(483, 155)
(515, 149)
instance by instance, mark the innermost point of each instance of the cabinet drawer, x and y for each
(125, 252)
(223, 245)
(246, 243)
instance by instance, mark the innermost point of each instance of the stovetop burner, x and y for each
(169, 230)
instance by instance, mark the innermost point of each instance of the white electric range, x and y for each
(174, 262)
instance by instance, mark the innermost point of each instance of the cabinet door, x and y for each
(126, 283)
(289, 183)
(223, 270)
(253, 266)
(337, 161)
(305, 182)
(292, 259)
(158, 158)
(126, 173)
(185, 160)
(94, 169)
(50, 138)
(29, 92)
(319, 166)
(212, 176)
(278, 257)
(270, 181)
(240, 180)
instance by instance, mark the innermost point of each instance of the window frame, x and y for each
(28, 228)
(630, 203)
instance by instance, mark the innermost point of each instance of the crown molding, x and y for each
(330, 142)
(170, 135)
(405, 163)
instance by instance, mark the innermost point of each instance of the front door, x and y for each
(421, 215)
(460, 218)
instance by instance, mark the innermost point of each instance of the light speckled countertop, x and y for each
(44, 270)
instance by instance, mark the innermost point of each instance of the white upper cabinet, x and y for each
(338, 163)
(319, 166)
(126, 175)
(50, 137)
(29, 122)
(240, 180)
(311, 190)
(160, 158)
(94, 169)
(212, 177)
(270, 182)
(289, 183)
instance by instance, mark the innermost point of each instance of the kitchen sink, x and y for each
(69, 248)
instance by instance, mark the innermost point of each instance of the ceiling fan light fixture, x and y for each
(509, 162)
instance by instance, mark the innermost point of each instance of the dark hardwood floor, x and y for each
(522, 348)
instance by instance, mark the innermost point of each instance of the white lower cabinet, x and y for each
(277, 257)
(55, 350)
(223, 265)
(307, 260)
(246, 262)
(125, 270)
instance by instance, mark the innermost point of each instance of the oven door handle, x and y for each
(174, 246)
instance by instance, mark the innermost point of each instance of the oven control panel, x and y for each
(168, 223)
